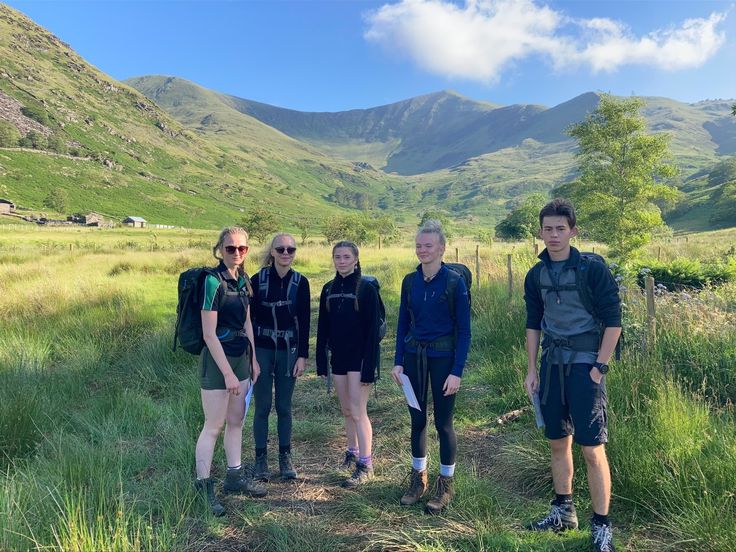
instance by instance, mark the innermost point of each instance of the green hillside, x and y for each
(129, 157)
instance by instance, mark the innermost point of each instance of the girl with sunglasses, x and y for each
(281, 328)
(226, 366)
(349, 326)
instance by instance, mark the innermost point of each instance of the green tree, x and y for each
(623, 171)
(36, 113)
(523, 221)
(383, 226)
(57, 200)
(353, 227)
(438, 214)
(9, 135)
(304, 224)
(55, 143)
(260, 223)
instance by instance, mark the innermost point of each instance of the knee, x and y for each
(560, 447)
(594, 456)
(443, 427)
(283, 410)
(213, 429)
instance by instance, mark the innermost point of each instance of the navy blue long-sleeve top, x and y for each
(432, 318)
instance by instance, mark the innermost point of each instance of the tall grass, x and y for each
(98, 418)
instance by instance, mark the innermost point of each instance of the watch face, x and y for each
(603, 368)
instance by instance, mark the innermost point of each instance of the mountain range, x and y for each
(177, 153)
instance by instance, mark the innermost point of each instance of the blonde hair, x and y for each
(218, 247)
(267, 256)
(433, 226)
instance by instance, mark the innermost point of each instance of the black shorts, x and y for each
(342, 369)
(584, 414)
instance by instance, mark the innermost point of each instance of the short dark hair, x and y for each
(558, 207)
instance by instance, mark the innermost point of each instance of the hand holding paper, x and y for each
(411, 398)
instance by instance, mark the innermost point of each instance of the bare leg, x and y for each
(599, 478)
(359, 394)
(341, 388)
(214, 405)
(562, 464)
(233, 439)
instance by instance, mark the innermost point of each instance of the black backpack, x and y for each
(456, 271)
(188, 329)
(372, 280)
(582, 286)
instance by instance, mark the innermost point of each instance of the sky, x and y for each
(336, 55)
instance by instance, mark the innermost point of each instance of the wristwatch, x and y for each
(602, 368)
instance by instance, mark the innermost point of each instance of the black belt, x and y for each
(553, 348)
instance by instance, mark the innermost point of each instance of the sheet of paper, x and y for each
(411, 398)
(248, 397)
(537, 410)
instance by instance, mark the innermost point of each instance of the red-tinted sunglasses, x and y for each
(231, 249)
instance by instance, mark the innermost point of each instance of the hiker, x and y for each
(280, 315)
(348, 326)
(432, 343)
(225, 367)
(573, 300)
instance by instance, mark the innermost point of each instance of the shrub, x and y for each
(684, 273)
(9, 135)
(36, 113)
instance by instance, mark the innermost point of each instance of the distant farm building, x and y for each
(93, 219)
(6, 206)
(135, 222)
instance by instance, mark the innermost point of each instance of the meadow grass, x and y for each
(98, 418)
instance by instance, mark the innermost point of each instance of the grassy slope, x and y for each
(104, 462)
(161, 170)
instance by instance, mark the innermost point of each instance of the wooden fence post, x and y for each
(457, 255)
(536, 249)
(379, 241)
(659, 253)
(477, 265)
(651, 314)
(511, 275)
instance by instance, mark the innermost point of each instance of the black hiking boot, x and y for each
(361, 474)
(207, 486)
(349, 460)
(260, 468)
(418, 483)
(561, 517)
(443, 496)
(240, 481)
(601, 537)
(286, 466)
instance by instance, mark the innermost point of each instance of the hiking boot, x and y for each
(240, 481)
(349, 460)
(260, 468)
(361, 475)
(561, 517)
(602, 537)
(443, 496)
(286, 467)
(417, 487)
(208, 486)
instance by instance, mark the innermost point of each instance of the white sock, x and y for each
(447, 471)
(419, 464)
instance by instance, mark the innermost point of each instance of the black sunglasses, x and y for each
(231, 249)
(290, 250)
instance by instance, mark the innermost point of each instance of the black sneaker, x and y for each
(602, 537)
(349, 461)
(361, 475)
(561, 517)
(286, 466)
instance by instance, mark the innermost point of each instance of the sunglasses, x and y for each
(231, 249)
(289, 250)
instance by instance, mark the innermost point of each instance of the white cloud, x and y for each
(481, 38)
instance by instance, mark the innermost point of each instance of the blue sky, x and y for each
(337, 55)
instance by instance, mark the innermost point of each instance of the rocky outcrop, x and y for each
(10, 111)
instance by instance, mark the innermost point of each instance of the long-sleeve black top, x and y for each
(350, 335)
(261, 316)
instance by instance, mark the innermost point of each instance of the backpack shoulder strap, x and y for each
(292, 290)
(450, 291)
(582, 281)
(263, 279)
(536, 276)
(406, 284)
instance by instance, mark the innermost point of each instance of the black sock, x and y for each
(283, 449)
(600, 520)
(561, 499)
(261, 451)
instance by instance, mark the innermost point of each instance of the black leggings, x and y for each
(274, 370)
(439, 369)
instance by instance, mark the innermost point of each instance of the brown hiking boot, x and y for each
(241, 481)
(417, 487)
(443, 496)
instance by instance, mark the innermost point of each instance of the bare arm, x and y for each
(531, 383)
(608, 345)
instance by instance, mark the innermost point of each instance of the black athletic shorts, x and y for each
(584, 414)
